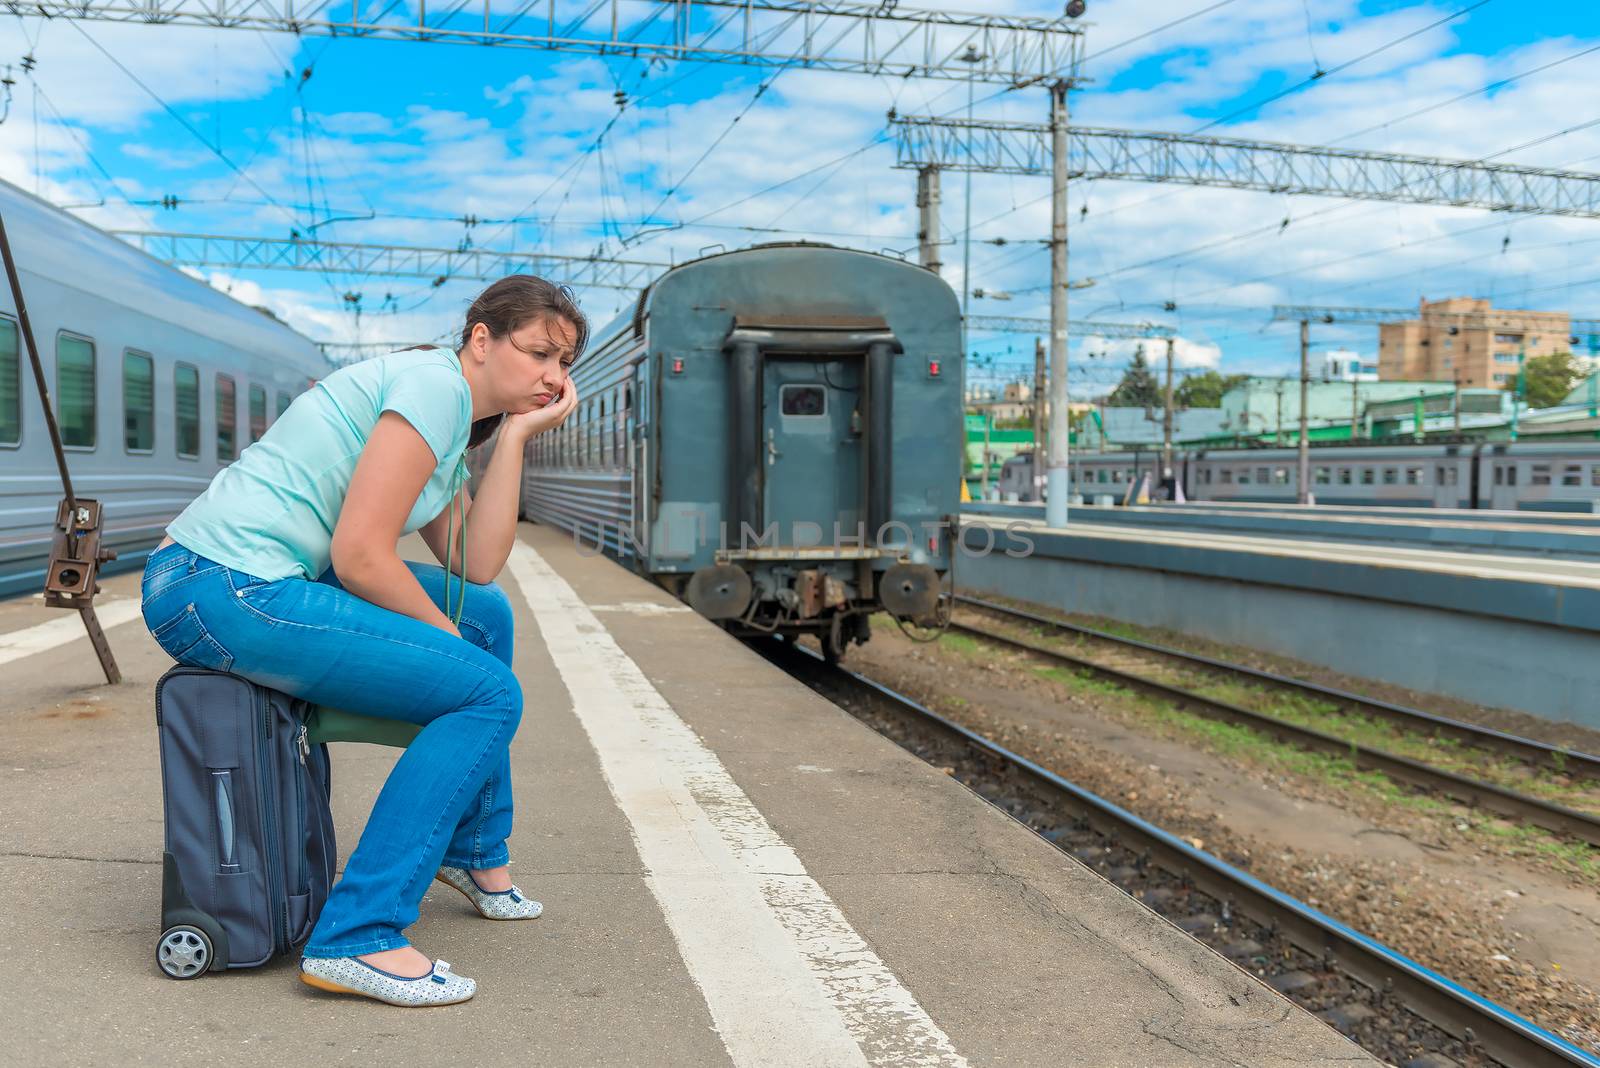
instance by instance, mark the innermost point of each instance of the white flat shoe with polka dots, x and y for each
(348, 975)
(491, 904)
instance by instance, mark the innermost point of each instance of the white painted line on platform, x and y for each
(788, 981)
(641, 608)
(44, 636)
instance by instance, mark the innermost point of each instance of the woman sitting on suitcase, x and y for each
(288, 566)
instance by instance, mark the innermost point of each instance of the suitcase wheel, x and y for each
(184, 952)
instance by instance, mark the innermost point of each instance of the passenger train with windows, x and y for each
(769, 433)
(1504, 476)
(157, 380)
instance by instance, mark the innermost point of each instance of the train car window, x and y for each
(1225, 476)
(803, 400)
(1447, 476)
(283, 403)
(1100, 475)
(227, 418)
(1511, 474)
(1594, 475)
(10, 385)
(1323, 476)
(258, 412)
(1244, 476)
(1572, 475)
(1261, 475)
(1346, 476)
(75, 390)
(1413, 476)
(1368, 476)
(1540, 475)
(138, 401)
(603, 433)
(186, 409)
(1280, 476)
(1391, 476)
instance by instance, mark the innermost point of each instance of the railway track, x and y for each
(1534, 753)
(1392, 1006)
(1492, 797)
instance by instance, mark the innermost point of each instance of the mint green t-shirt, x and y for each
(271, 513)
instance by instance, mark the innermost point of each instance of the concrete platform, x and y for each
(734, 871)
(1511, 631)
(1560, 534)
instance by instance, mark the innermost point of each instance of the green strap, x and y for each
(450, 545)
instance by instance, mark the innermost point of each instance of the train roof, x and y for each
(633, 319)
(52, 244)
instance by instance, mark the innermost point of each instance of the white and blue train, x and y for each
(156, 378)
(1545, 476)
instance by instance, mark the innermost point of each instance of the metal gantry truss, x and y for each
(862, 38)
(392, 261)
(1266, 166)
(1011, 324)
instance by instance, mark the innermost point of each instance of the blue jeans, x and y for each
(448, 798)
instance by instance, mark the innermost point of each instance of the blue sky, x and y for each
(397, 142)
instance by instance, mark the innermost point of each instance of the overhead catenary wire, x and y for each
(1337, 68)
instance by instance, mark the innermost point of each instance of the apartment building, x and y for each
(1463, 340)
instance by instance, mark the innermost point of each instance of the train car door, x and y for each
(811, 448)
(1447, 482)
(637, 444)
(1503, 488)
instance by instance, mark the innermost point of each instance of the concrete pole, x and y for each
(1040, 434)
(1060, 427)
(1303, 472)
(1277, 420)
(1355, 408)
(928, 218)
(1166, 421)
(1457, 402)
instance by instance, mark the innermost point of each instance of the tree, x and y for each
(1546, 380)
(1138, 387)
(1205, 390)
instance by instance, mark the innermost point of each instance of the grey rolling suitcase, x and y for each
(249, 851)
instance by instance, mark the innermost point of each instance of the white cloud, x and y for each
(521, 133)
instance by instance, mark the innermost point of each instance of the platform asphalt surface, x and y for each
(733, 870)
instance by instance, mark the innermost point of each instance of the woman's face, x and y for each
(527, 369)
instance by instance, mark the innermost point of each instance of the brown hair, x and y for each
(511, 303)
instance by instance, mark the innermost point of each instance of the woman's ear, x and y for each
(478, 342)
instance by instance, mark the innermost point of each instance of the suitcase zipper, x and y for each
(269, 826)
(302, 750)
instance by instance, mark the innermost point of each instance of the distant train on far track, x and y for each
(1520, 476)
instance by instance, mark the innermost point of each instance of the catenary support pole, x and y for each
(1041, 435)
(1303, 473)
(1057, 487)
(1166, 424)
(928, 218)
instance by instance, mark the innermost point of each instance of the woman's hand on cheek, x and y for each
(540, 420)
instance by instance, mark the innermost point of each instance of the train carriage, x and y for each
(1539, 476)
(157, 381)
(1395, 476)
(772, 434)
